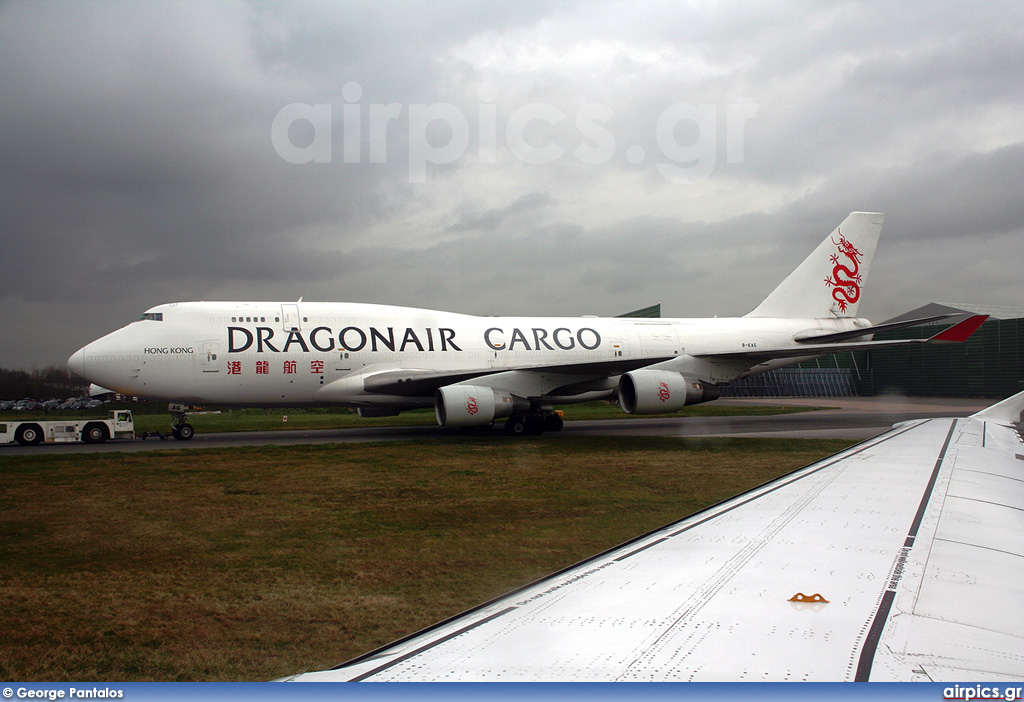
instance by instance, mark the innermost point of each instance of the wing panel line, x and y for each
(874, 635)
(432, 644)
(643, 548)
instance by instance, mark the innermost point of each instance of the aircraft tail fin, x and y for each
(830, 282)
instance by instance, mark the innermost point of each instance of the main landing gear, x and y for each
(533, 423)
(181, 429)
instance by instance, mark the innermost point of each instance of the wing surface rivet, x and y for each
(801, 597)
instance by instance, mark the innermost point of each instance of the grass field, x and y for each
(250, 564)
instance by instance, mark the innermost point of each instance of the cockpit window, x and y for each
(151, 316)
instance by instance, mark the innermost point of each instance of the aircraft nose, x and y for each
(76, 364)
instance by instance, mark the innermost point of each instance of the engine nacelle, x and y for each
(649, 391)
(474, 405)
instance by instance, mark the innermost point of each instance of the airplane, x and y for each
(473, 370)
(898, 559)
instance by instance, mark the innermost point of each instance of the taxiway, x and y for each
(847, 418)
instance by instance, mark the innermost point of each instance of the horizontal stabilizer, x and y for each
(886, 326)
(956, 333)
(959, 333)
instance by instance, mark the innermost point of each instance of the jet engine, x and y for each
(474, 405)
(649, 391)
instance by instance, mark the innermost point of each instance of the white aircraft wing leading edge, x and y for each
(898, 559)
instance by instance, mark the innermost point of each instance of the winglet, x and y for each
(961, 331)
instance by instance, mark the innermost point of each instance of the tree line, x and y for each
(40, 384)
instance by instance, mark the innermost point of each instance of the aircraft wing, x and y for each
(417, 382)
(408, 381)
(900, 558)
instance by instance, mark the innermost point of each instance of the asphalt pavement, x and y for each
(847, 418)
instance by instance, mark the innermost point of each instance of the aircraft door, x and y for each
(208, 358)
(621, 341)
(290, 320)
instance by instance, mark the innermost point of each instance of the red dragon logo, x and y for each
(845, 280)
(471, 407)
(663, 393)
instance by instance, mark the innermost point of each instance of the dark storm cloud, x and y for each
(137, 165)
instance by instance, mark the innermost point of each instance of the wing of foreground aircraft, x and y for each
(898, 559)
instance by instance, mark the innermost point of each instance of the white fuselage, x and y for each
(383, 359)
(288, 353)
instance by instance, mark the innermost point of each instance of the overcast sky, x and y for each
(497, 157)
